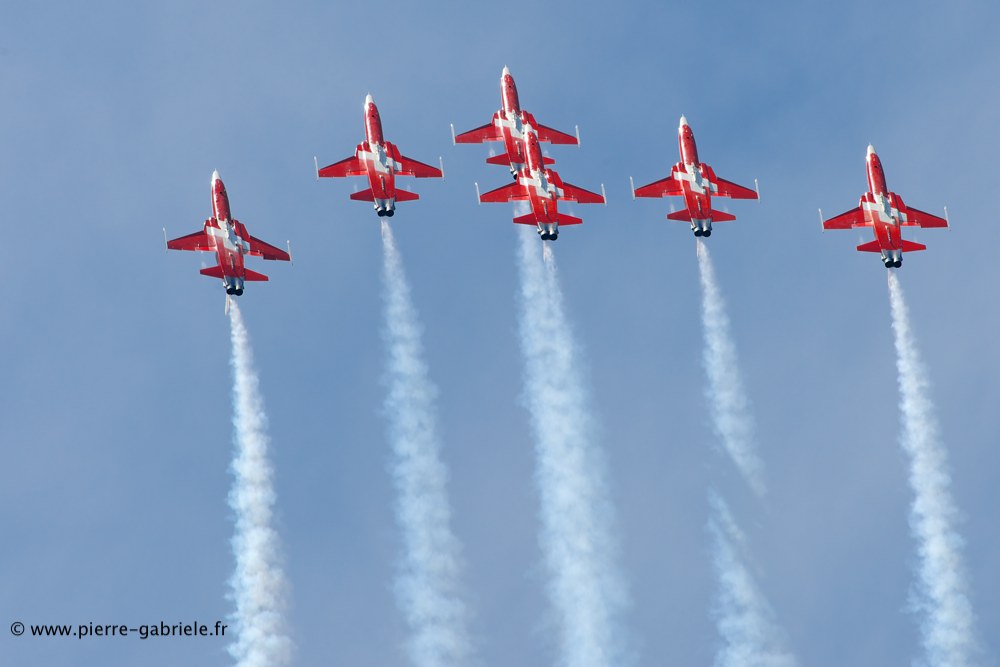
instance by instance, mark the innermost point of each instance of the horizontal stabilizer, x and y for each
(871, 246)
(720, 216)
(682, 216)
(363, 195)
(564, 219)
(561, 218)
(406, 195)
(501, 159)
(213, 272)
(912, 246)
(253, 276)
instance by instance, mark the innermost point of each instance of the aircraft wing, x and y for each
(554, 136)
(197, 241)
(916, 217)
(574, 193)
(266, 250)
(488, 132)
(351, 166)
(410, 167)
(730, 189)
(665, 187)
(509, 192)
(853, 218)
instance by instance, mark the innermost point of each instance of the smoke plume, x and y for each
(577, 540)
(941, 593)
(258, 584)
(427, 585)
(728, 402)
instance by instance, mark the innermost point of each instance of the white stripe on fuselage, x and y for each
(229, 238)
(380, 158)
(693, 175)
(886, 212)
(517, 128)
(543, 187)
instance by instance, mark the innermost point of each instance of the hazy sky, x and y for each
(116, 407)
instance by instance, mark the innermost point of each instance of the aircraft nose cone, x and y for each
(505, 72)
(215, 175)
(871, 149)
(684, 121)
(369, 99)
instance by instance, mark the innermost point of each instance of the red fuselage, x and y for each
(542, 186)
(220, 200)
(508, 94)
(688, 148)
(876, 176)
(697, 188)
(881, 208)
(378, 160)
(226, 233)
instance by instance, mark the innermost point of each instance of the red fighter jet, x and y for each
(508, 125)
(230, 240)
(886, 213)
(542, 188)
(697, 183)
(381, 162)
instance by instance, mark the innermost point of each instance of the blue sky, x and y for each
(115, 409)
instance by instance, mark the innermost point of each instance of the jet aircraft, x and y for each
(886, 214)
(231, 241)
(508, 125)
(381, 162)
(542, 188)
(697, 183)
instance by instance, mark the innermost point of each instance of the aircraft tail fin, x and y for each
(871, 246)
(253, 276)
(213, 272)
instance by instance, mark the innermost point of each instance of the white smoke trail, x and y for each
(427, 584)
(744, 618)
(942, 592)
(258, 583)
(580, 551)
(727, 399)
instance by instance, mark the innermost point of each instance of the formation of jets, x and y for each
(536, 183)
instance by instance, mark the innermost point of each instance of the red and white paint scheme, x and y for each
(886, 213)
(542, 188)
(230, 240)
(381, 162)
(510, 125)
(697, 183)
